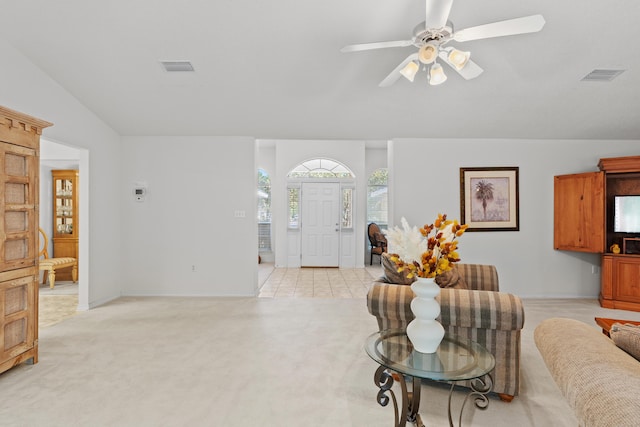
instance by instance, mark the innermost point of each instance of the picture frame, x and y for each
(489, 198)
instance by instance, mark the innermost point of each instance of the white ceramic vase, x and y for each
(425, 332)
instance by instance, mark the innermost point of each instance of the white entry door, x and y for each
(320, 225)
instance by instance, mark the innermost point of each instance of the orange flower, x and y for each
(441, 248)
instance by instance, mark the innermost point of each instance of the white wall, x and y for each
(152, 245)
(291, 153)
(375, 158)
(194, 187)
(425, 179)
(27, 89)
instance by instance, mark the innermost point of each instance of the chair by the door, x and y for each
(377, 240)
(50, 265)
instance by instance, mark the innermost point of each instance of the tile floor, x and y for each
(319, 282)
(57, 304)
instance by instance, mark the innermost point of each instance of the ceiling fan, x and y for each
(432, 37)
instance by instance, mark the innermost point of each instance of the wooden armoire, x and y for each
(584, 222)
(19, 194)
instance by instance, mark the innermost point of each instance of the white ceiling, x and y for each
(272, 69)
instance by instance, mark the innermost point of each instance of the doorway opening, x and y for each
(66, 298)
(320, 229)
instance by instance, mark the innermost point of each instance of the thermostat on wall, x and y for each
(139, 193)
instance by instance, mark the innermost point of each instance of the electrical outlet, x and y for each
(193, 268)
(595, 269)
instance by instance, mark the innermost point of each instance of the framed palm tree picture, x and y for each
(489, 198)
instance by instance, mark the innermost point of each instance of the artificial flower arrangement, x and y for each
(428, 251)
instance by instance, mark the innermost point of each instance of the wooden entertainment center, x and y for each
(583, 222)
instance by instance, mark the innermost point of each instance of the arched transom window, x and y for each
(320, 168)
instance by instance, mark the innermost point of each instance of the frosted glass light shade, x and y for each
(436, 75)
(428, 53)
(410, 70)
(458, 58)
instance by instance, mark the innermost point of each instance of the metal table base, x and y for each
(410, 405)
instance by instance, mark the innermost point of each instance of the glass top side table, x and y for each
(457, 359)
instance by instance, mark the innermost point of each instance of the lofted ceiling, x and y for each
(273, 69)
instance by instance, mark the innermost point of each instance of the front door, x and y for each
(320, 225)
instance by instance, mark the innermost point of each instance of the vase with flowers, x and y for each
(425, 253)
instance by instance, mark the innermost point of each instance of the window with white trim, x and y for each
(293, 200)
(347, 208)
(377, 201)
(264, 211)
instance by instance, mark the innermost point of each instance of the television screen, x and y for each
(626, 214)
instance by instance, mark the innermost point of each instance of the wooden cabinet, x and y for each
(65, 218)
(19, 195)
(620, 282)
(584, 222)
(579, 206)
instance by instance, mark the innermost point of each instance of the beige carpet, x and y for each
(230, 362)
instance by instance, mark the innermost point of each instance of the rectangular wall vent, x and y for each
(602, 75)
(173, 66)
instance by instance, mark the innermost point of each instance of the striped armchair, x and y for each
(480, 313)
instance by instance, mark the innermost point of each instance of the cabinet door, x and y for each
(606, 281)
(18, 318)
(579, 212)
(65, 204)
(18, 254)
(627, 279)
(18, 200)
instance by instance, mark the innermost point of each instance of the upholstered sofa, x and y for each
(480, 312)
(599, 380)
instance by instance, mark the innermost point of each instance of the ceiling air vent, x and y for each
(602, 75)
(173, 66)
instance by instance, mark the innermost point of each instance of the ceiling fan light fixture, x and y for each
(428, 53)
(410, 70)
(436, 75)
(432, 36)
(459, 58)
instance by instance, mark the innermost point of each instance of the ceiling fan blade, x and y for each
(470, 71)
(527, 24)
(376, 45)
(437, 13)
(395, 74)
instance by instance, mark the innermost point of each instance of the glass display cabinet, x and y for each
(65, 217)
